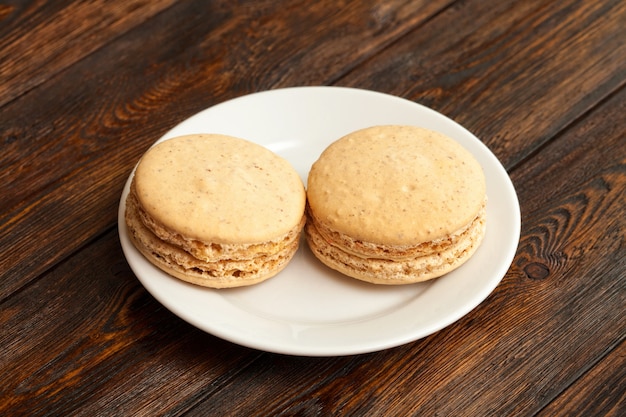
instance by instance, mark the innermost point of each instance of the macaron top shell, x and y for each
(218, 188)
(396, 185)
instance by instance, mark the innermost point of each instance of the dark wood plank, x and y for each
(89, 340)
(514, 73)
(68, 146)
(557, 311)
(40, 39)
(85, 338)
(600, 392)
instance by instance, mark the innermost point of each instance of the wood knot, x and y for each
(536, 271)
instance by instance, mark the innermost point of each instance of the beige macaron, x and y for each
(215, 210)
(395, 205)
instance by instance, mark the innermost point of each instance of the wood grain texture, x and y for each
(39, 39)
(542, 83)
(600, 392)
(97, 343)
(89, 340)
(68, 147)
(514, 73)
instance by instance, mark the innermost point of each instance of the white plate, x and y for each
(309, 309)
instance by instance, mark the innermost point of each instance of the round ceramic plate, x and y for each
(309, 309)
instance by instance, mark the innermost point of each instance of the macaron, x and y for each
(395, 205)
(215, 210)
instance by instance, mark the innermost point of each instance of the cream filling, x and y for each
(384, 270)
(393, 252)
(215, 251)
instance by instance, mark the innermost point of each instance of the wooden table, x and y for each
(87, 87)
